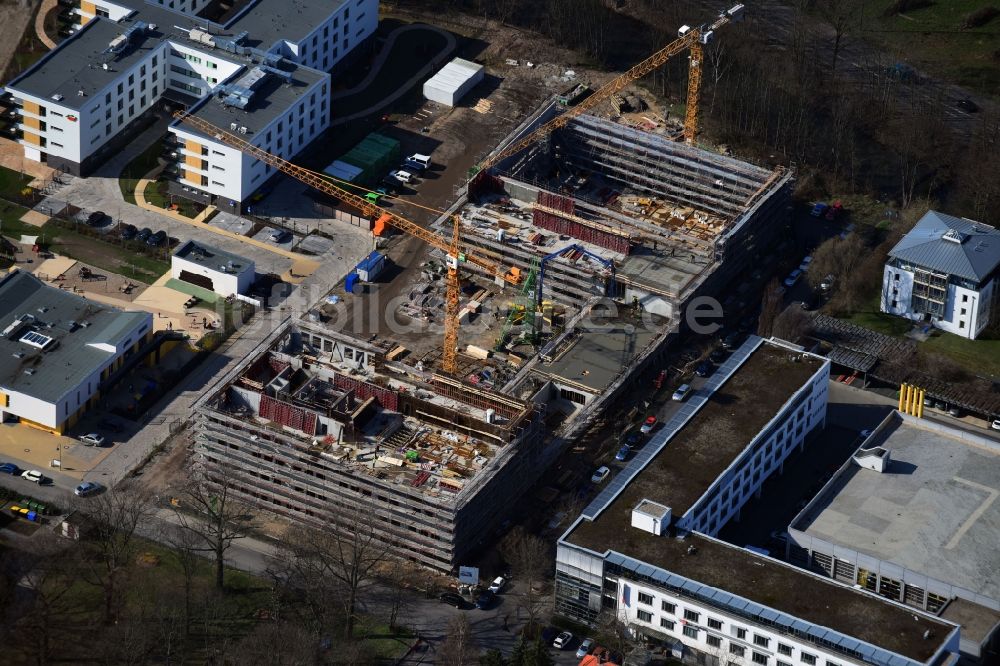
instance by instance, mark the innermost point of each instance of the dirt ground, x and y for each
(14, 18)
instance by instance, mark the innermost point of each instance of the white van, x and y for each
(418, 161)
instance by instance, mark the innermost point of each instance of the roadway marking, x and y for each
(991, 495)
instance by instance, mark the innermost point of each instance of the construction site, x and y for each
(484, 345)
(315, 425)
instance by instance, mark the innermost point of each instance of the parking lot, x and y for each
(268, 235)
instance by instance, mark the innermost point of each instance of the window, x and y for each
(714, 624)
(965, 298)
(961, 324)
(738, 650)
(785, 649)
(217, 168)
(645, 598)
(963, 310)
(57, 145)
(644, 616)
(131, 79)
(667, 624)
(155, 60)
(714, 641)
(211, 65)
(808, 659)
(107, 100)
(690, 632)
(668, 607)
(761, 640)
(740, 633)
(58, 129)
(215, 182)
(783, 663)
(759, 658)
(691, 615)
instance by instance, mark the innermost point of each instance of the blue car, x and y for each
(623, 452)
(633, 438)
(9, 468)
(485, 600)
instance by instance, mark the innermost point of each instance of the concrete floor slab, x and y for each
(231, 223)
(315, 244)
(264, 236)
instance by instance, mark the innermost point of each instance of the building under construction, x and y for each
(315, 425)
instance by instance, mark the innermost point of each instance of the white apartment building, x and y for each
(944, 272)
(58, 350)
(644, 550)
(86, 99)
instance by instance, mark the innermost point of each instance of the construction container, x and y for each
(453, 81)
(370, 267)
(343, 171)
(375, 155)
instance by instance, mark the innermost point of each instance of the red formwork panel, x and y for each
(287, 415)
(574, 229)
(386, 398)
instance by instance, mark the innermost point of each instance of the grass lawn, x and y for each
(880, 322)
(12, 182)
(932, 39)
(104, 255)
(11, 225)
(982, 357)
(156, 194)
(138, 168)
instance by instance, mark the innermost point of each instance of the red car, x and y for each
(648, 425)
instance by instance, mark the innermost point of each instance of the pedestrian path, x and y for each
(43, 11)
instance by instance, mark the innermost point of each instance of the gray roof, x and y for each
(74, 324)
(76, 63)
(951, 245)
(212, 257)
(270, 100)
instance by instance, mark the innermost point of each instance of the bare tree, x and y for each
(531, 562)
(185, 547)
(841, 15)
(792, 324)
(221, 516)
(770, 307)
(115, 517)
(457, 648)
(611, 629)
(276, 644)
(348, 550)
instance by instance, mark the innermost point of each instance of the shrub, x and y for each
(980, 17)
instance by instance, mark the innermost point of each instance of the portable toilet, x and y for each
(350, 282)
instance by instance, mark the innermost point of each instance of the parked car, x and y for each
(418, 162)
(648, 425)
(92, 439)
(452, 599)
(33, 475)
(818, 209)
(865, 434)
(157, 239)
(704, 369)
(681, 393)
(623, 452)
(96, 218)
(402, 176)
(954, 411)
(718, 355)
(128, 232)
(793, 278)
(584, 648)
(87, 488)
(827, 283)
(806, 260)
(485, 600)
(143, 234)
(634, 438)
(562, 640)
(497, 584)
(13, 470)
(995, 425)
(731, 341)
(602, 472)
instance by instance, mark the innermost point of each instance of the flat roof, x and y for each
(932, 511)
(269, 101)
(598, 354)
(212, 257)
(73, 323)
(693, 458)
(76, 64)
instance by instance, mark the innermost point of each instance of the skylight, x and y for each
(36, 339)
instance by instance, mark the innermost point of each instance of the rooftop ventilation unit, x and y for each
(200, 36)
(16, 326)
(57, 97)
(119, 43)
(285, 76)
(29, 371)
(243, 130)
(954, 236)
(233, 126)
(231, 44)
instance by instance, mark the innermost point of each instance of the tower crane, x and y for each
(689, 38)
(453, 250)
